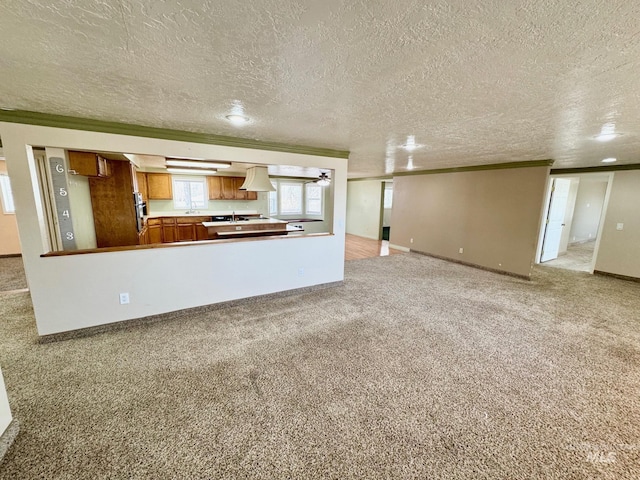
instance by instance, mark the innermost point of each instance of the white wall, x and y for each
(618, 251)
(5, 412)
(588, 209)
(77, 291)
(386, 216)
(9, 242)
(568, 215)
(492, 215)
(364, 201)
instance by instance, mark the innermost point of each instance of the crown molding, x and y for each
(603, 168)
(87, 124)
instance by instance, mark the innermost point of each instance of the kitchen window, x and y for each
(313, 203)
(296, 197)
(189, 193)
(290, 198)
(7, 195)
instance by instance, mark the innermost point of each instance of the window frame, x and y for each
(182, 178)
(304, 183)
(8, 205)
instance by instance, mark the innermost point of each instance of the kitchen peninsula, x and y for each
(246, 226)
(188, 227)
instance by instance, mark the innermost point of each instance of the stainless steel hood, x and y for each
(257, 180)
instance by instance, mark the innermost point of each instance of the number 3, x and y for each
(69, 235)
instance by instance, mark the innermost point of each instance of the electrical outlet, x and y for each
(124, 298)
(461, 250)
(620, 226)
(301, 272)
(411, 240)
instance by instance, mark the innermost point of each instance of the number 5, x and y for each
(62, 192)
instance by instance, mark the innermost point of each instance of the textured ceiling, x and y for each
(475, 82)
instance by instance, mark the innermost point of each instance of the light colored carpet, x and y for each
(578, 257)
(12, 274)
(440, 371)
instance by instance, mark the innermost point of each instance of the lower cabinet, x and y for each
(154, 230)
(176, 229)
(143, 236)
(168, 229)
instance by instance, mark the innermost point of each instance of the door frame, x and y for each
(545, 213)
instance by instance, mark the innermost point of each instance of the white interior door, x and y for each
(555, 218)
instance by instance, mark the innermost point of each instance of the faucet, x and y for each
(193, 208)
(233, 217)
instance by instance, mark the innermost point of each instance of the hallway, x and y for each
(357, 248)
(577, 258)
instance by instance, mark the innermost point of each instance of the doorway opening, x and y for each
(572, 224)
(387, 204)
(12, 276)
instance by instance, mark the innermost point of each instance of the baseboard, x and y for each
(10, 255)
(399, 247)
(125, 324)
(615, 275)
(7, 438)
(474, 265)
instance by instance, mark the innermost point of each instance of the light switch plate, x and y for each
(620, 226)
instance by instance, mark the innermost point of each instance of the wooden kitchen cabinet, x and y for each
(114, 214)
(168, 229)
(214, 185)
(228, 188)
(201, 231)
(190, 229)
(240, 194)
(88, 164)
(229, 191)
(159, 186)
(154, 230)
(176, 229)
(143, 236)
(141, 178)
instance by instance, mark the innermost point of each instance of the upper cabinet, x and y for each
(88, 163)
(141, 178)
(159, 186)
(228, 188)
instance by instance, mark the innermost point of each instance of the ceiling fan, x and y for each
(323, 180)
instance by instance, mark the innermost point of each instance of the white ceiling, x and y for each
(475, 82)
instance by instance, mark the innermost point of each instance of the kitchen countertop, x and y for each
(257, 221)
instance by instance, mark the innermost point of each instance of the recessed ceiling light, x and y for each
(237, 119)
(197, 164)
(609, 160)
(410, 144)
(607, 132)
(605, 137)
(410, 163)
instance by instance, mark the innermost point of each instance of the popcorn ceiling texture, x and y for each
(475, 82)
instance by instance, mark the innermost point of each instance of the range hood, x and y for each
(257, 180)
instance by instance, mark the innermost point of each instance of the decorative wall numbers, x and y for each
(60, 185)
